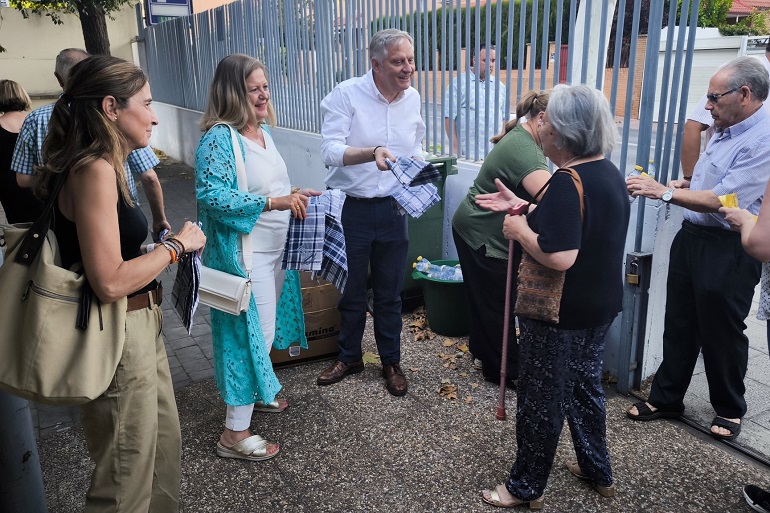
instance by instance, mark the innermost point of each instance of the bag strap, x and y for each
(35, 237)
(240, 178)
(578, 185)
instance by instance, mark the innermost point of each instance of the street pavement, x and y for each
(352, 447)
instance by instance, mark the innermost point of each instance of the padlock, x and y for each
(632, 277)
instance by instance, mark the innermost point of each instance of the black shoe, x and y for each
(757, 498)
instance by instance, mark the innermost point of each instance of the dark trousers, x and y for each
(484, 279)
(711, 281)
(561, 377)
(375, 237)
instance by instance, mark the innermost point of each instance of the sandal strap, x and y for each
(726, 424)
(254, 445)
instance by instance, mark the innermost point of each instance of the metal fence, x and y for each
(309, 46)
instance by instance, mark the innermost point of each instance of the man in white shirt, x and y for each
(366, 121)
(470, 97)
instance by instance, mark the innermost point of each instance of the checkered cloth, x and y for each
(413, 172)
(416, 194)
(318, 242)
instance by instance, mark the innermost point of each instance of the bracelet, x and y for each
(294, 189)
(374, 152)
(688, 178)
(179, 242)
(269, 203)
(172, 252)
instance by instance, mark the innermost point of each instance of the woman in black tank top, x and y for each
(132, 430)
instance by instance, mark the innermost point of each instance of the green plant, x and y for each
(755, 24)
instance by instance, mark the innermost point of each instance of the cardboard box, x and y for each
(321, 297)
(321, 329)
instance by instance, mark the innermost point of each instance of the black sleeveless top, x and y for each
(133, 230)
(20, 205)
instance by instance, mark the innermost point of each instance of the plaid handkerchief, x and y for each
(411, 172)
(417, 200)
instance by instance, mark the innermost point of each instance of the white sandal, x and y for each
(253, 448)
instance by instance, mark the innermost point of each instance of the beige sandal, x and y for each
(276, 406)
(604, 491)
(494, 500)
(253, 448)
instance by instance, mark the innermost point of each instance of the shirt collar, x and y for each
(748, 123)
(376, 92)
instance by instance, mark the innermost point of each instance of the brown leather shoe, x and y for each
(338, 370)
(395, 381)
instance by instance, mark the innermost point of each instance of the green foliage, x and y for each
(420, 25)
(755, 24)
(712, 13)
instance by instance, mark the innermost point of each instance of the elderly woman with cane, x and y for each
(561, 362)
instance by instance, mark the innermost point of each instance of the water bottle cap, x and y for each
(638, 167)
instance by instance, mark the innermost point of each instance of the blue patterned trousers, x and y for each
(560, 376)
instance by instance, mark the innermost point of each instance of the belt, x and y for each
(145, 299)
(371, 200)
(708, 232)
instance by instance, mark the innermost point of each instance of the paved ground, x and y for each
(353, 447)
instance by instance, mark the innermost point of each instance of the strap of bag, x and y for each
(578, 185)
(240, 176)
(35, 237)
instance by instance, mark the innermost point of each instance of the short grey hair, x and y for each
(581, 117)
(747, 71)
(384, 39)
(68, 58)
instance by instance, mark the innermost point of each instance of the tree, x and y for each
(92, 13)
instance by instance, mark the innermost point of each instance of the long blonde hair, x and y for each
(530, 105)
(228, 99)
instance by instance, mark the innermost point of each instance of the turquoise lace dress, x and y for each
(242, 366)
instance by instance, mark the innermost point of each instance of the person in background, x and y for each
(132, 430)
(755, 238)
(460, 124)
(366, 121)
(699, 120)
(517, 161)
(28, 152)
(19, 204)
(711, 278)
(239, 96)
(561, 364)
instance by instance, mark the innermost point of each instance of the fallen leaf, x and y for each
(468, 399)
(413, 369)
(463, 374)
(474, 385)
(370, 358)
(447, 342)
(463, 348)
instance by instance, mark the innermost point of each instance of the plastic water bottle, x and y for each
(651, 170)
(424, 265)
(447, 273)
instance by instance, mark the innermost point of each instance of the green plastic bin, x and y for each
(445, 303)
(426, 233)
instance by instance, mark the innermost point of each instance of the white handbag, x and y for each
(218, 289)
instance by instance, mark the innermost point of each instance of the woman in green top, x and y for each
(517, 161)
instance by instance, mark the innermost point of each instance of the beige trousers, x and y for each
(132, 430)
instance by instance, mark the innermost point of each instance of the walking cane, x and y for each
(500, 415)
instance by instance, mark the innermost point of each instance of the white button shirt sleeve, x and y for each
(337, 116)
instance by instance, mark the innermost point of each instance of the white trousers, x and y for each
(267, 279)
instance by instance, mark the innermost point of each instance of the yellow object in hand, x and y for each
(729, 200)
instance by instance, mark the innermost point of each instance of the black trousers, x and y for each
(711, 281)
(484, 279)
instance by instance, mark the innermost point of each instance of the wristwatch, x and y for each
(668, 196)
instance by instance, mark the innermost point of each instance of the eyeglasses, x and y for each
(713, 98)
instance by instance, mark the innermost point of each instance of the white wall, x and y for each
(32, 45)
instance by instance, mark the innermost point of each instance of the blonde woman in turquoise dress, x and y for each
(239, 97)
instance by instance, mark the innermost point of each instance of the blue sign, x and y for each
(159, 11)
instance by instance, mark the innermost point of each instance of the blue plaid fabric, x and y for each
(28, 151)
(412, 172)
(415, 196)
(318, 242)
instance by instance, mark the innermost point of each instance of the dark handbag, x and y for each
(539, 288)
(52, 350)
